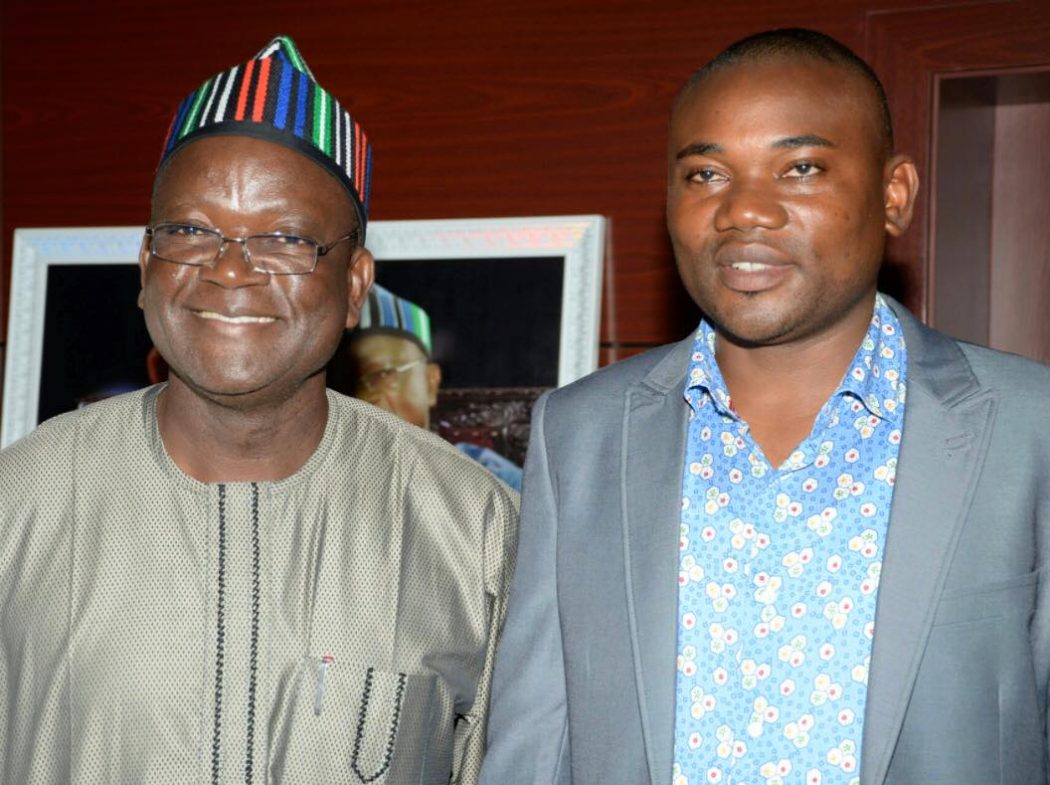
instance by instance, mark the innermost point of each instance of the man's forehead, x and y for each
(254, 167)
(386, 346)
(796, 93)
(793, 73)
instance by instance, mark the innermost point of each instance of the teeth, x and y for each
(235, 319)
(750, 267)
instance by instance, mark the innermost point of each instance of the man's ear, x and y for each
(901, 189)
(143, 261)
(433, 383)
(360, 273)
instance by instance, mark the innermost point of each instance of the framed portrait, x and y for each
(514, 305)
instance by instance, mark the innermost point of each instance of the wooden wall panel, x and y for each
(908, 48)
(475, 108)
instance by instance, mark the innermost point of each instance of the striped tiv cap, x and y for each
(274, 96)
(385, 312)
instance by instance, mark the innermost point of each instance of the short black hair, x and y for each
(797, 42)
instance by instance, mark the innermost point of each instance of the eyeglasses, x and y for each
(386, 379)
(277, 254)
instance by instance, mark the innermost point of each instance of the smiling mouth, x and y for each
(218, 317)
(752, 267)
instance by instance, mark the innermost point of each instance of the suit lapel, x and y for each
(652, 452)
(946, 426)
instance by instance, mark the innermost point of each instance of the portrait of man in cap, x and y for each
(240, 575)
(388, 360)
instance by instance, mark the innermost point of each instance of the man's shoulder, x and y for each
(1006, 371)
(660, 369)
(37, 472)
(54, 440)
(376, 435)
(938, 359)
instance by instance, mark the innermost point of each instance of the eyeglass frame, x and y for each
(398, 371)
(319, 250)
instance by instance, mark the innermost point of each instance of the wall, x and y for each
(475, 108)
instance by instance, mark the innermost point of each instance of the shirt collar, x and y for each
(875, 377)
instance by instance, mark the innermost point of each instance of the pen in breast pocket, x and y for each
(322, 675)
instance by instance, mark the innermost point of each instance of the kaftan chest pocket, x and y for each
(350, 724)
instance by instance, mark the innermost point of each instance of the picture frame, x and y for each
(73, 312)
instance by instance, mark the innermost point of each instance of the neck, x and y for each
(779, 390)
(212, 441)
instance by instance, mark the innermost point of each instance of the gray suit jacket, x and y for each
(585, 676)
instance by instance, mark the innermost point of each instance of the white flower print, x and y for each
(775, 772)
(844, 756)
(702, 702)
(866, 543)
(847, 487)
(798, 732)
(871, 580)
(715, 500)
(796, 561)
(689, 570)
(758, 466)
(824, 689)
(721, 637)
(762, 712)
(720, 595)
(786, 507)
(686, 661)
(866, 425)
(727, 744)
(751, 673)
(860, 672)
(838, 612)
(768, 588)
(887, 473)
(822, 523)
(769, 621)
(793, 653)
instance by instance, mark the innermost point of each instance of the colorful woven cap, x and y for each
(274, 96)
(385, 312)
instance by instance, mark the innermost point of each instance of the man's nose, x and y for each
(750, 204)
(232, 268)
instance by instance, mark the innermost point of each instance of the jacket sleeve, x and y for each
(528, 727)
(500, 544)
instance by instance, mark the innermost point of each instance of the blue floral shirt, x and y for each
(779, 573)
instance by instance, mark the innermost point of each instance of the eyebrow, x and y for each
(806, 140)
(698, 148)
(787, 143)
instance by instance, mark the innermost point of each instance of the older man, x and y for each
(241, 576)
(750, 557)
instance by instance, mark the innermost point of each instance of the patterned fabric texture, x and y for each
(274, 96)
(779, 575)
(337, 626)
(385, 312)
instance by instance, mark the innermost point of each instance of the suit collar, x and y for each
(652, 455)
(947, 423)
